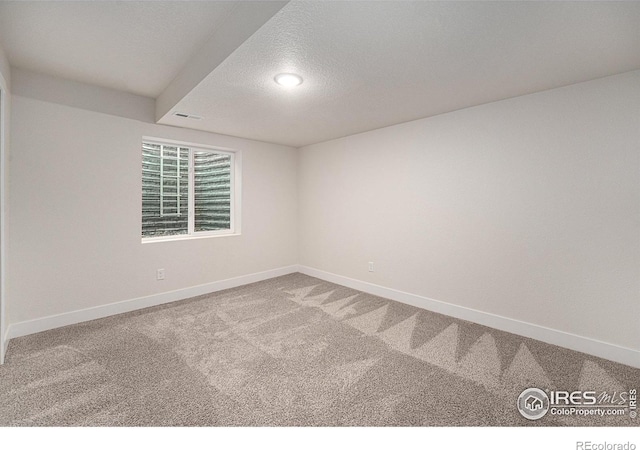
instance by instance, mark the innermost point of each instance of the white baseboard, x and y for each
(98, 312)
(560, 338)
(4, 345)
(582, 344)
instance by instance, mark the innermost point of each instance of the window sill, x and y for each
(186, 237)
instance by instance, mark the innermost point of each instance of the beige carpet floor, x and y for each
(291, 351)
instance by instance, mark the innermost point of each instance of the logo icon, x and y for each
(533, 403)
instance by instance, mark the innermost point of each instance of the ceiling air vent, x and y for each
(187, 116)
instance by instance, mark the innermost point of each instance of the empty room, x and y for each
(319, 214)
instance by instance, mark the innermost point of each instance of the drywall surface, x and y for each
(527, 208)
(5, 104)
(75, 227)
(82, 95)
(5, 69)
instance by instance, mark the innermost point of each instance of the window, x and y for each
(186, 190)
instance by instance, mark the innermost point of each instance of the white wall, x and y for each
(526, 208)
(81, 95)
(75, 222)
(5, 69)
(5, 86)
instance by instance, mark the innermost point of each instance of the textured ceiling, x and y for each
(366, 64)
(131, 46)
(372, 64)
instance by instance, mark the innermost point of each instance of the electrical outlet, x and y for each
(160, 274)
(370, 266)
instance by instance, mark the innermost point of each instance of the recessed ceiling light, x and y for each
(288, 79)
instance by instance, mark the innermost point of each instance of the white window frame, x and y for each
(235, 198)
